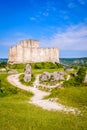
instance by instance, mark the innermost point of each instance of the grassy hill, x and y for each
(17, 114)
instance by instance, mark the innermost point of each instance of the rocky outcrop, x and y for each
(57, 76)
(27, 73)
(45, 76)
(52, 76)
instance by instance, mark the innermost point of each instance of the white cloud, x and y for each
(73, 38)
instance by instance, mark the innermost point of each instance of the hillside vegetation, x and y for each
(17, 114)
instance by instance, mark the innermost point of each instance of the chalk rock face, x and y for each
(45, 76)
(27, 73)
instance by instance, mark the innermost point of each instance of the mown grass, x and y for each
(17, 114)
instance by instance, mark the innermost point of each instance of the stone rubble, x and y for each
(52, 76)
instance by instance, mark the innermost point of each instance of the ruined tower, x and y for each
(28, 51)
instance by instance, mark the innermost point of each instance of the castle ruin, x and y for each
(28, 51)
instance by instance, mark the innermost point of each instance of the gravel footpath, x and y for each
(37, 99)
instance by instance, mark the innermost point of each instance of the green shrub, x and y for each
(59, 66)
(16, 66)
(3, 64)
(81, 75)
(38, 65)
(46, 65)
(69, 83)
(76, 80)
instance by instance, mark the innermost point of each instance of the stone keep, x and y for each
(28, 51)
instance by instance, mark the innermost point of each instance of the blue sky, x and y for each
(55, 23)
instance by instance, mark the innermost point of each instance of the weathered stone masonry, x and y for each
(28, 51)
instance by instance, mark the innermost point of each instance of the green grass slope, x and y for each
(17, 114)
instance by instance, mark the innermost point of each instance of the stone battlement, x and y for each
(29, 51)
(30, 43)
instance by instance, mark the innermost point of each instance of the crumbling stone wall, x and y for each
(28, 51)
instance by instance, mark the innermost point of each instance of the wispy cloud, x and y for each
(45, 14)
(73, 38)
(82, 2)
(63, 14)
(47, 9)
(14, 38)
(71, 5)
(33, 18)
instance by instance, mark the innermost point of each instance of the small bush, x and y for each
(3, 64)
(46, 65)
(38, 65)
(16, 66)
(76, 80)
(81, 75)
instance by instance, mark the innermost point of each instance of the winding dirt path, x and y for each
(37, 99)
